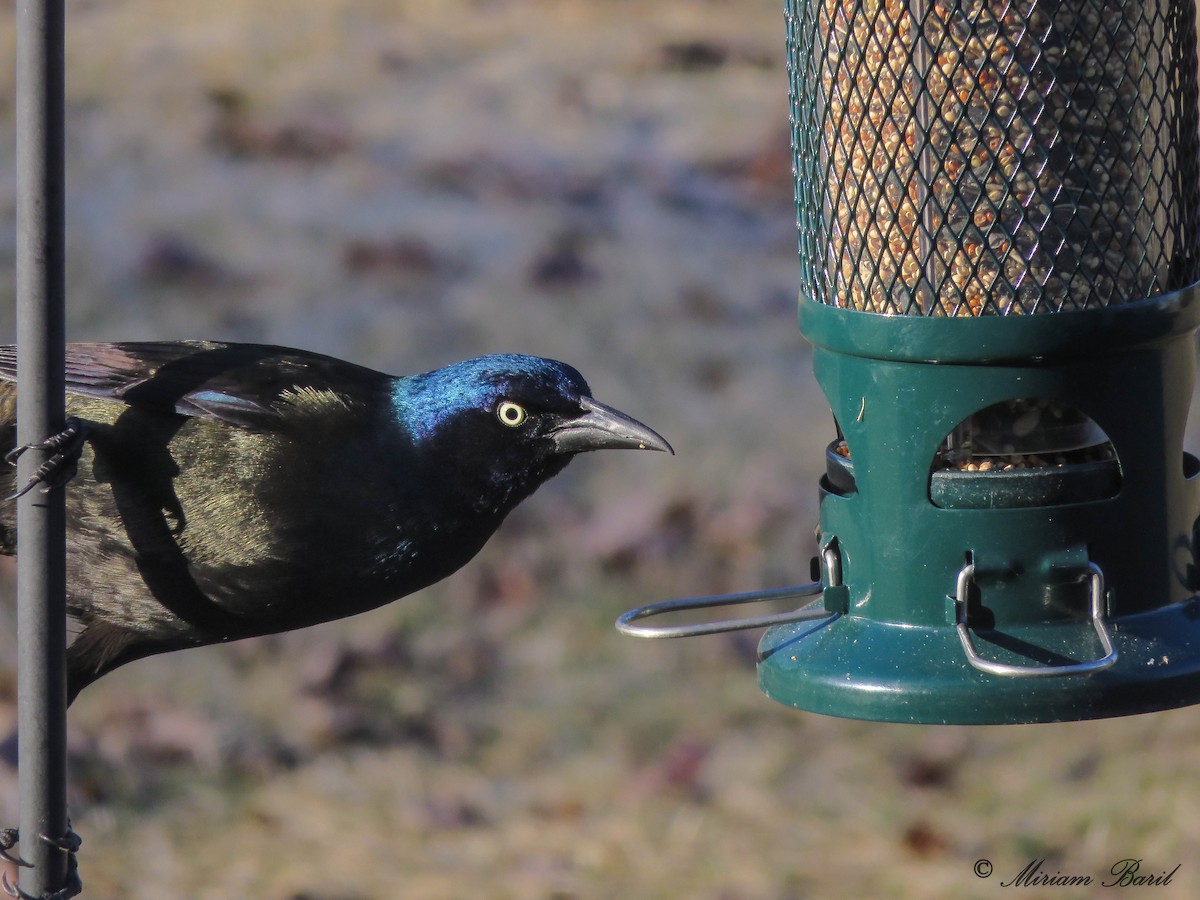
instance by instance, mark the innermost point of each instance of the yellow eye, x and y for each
(511, 414)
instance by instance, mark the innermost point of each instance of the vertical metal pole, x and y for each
(41, 562)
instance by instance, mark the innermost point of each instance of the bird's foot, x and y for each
(69, 844)
(9, 837)
(56, 471)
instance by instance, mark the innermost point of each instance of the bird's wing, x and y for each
(249, 385)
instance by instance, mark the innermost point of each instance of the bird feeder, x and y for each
(998, 207)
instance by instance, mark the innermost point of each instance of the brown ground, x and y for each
(405, 183)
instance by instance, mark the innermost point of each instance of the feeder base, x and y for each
(859, 668)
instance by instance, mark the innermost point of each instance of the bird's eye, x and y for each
(511, 414)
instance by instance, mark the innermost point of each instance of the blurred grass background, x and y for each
(410, 182)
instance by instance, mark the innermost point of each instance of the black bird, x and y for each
(225, 491)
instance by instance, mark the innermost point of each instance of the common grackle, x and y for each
(231, 490)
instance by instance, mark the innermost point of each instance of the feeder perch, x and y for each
(998, 206)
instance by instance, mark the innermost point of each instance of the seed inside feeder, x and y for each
(1024, 434)
(980, 158)
(1019, 434)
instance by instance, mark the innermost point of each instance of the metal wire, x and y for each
(625, 623)
(1096, 610)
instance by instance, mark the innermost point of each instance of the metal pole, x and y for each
(41, 562)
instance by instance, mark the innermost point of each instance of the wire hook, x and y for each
(804, 613)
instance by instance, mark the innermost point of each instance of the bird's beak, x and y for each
(604, 428)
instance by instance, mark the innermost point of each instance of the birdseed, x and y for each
(990, 158)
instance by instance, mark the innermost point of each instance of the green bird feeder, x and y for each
(998, 207)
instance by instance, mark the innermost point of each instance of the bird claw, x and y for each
(69, 844)
(72, 888)
(8, 839)
(60, 468)
(8, 887)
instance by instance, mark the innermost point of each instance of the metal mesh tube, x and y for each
(981, 157)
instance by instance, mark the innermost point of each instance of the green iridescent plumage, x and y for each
(231, 490)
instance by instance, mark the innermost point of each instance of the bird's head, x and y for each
(515, 420)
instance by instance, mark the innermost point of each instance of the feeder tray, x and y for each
(998, 209)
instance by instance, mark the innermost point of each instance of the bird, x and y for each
(221, 491)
